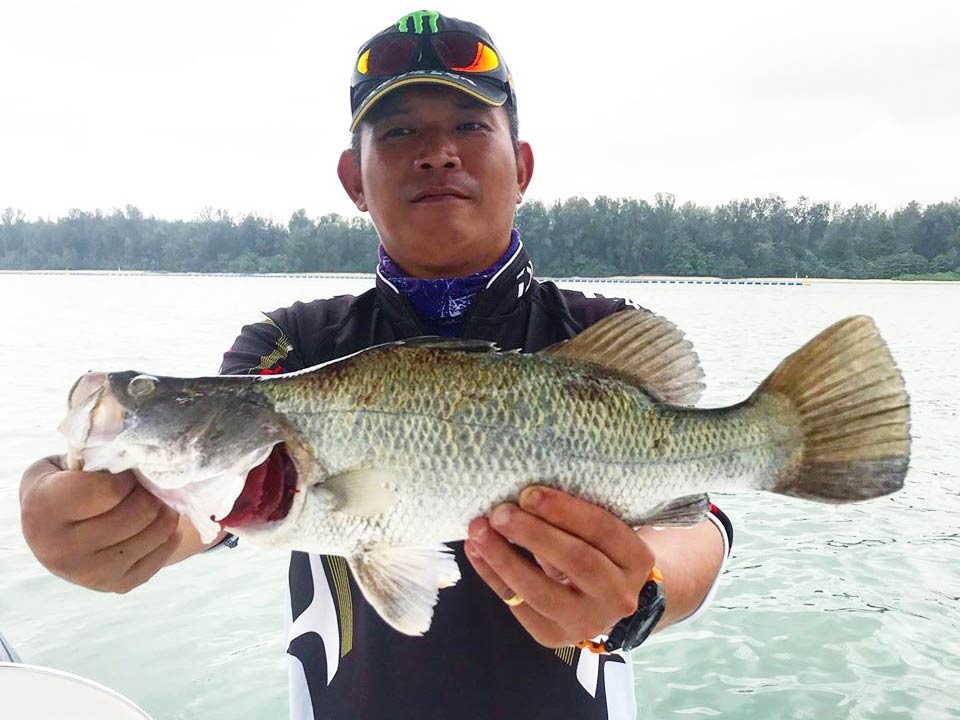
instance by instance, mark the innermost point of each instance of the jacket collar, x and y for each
(503, 295)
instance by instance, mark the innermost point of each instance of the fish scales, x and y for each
(459, 430)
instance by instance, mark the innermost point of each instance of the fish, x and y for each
(384, 456)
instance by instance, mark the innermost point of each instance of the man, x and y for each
(437, 163)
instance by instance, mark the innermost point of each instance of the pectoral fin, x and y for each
(364, 492)
(402, 583)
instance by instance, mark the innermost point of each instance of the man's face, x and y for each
(440, 178)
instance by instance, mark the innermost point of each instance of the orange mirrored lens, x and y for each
(463, 52)
(363, 62)
(485, 60)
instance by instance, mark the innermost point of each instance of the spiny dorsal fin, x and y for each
(648, 349)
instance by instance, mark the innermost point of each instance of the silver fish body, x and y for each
(389, 453)
(447, 452)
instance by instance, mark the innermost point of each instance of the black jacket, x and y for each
(476, 661)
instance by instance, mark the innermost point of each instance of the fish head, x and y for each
(192, 442)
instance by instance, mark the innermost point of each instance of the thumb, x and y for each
(552, 572)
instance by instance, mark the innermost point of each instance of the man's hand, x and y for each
(102, 531)
(593, 564)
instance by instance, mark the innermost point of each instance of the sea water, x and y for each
(823, 612)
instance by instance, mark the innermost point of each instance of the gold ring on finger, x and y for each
(514, 600)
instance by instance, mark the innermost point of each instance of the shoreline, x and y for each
(638, 279)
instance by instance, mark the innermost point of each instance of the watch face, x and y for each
(632, 631)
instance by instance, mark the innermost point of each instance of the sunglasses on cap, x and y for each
(453, 51)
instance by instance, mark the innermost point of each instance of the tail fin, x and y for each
(854, 415)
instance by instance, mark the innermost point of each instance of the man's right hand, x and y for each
(99, 530)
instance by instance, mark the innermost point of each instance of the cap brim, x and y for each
(484, 92)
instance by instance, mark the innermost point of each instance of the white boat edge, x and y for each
(63, 675)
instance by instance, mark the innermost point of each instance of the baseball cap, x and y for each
(427, 47)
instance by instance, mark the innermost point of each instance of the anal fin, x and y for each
(402, 583)
(682, 512)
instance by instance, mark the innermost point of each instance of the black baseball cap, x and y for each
(427, 47)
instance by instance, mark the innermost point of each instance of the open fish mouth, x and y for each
(110, 426)
(268, 492)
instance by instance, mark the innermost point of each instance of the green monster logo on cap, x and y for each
(417, 17)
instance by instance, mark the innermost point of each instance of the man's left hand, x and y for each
(592, 565)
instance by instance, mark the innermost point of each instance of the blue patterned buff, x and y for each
(443, 303)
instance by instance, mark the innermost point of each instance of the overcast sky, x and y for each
(175, 106)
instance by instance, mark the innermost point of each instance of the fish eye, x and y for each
(141, 386)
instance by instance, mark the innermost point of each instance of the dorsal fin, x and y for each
(646, 348)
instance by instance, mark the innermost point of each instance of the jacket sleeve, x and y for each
(723, 524)
(584, 311)
(263, 348)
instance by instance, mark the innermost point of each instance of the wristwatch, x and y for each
(229, 541)
(631, 631)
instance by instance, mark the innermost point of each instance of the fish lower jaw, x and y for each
(285, 536)
(111, 457)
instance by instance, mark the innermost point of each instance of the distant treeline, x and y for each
(763, 237)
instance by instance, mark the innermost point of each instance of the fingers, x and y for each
(92, 494)
(598, 528)
(123, 566)
(135, 513)
(546, 596)
(496, 583)
(554, 613)
(551, 571)
(544, 630)
(565, 554)
(96, 529)
(151, 563)
(591, 564)
(78, 495)
(133, 546)
(38, 471)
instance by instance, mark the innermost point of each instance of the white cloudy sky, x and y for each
(179, 105)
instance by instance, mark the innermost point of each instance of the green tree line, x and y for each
(761, 237)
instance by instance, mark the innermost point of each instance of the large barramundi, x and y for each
(385, 455)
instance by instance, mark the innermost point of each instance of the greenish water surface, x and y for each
(823, 612)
